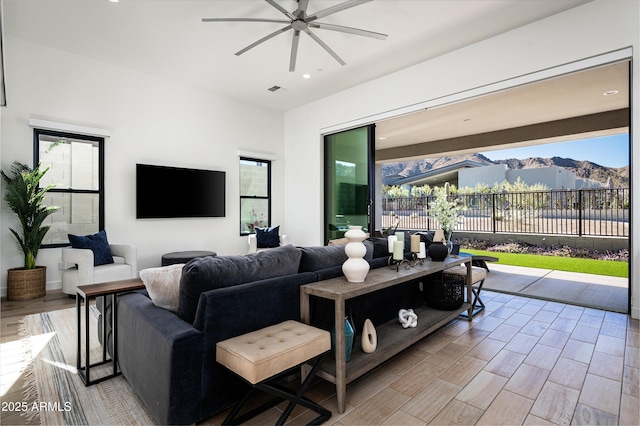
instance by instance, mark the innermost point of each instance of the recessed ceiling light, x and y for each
(114, 1)
(610, 93)
(306, 75)
(382, 138)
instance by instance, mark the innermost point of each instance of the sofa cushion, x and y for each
(268, 237)
(207, 273)
(380, 247)
(323, 257)
(336, 271)
(163, 285)
(97, 243)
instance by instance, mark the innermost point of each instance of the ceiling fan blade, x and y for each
(294, 50)
(325, 46)
(263, 39)
(277, 21)
(337, 8)
(349, 30)
(301, 13)
(282, 9)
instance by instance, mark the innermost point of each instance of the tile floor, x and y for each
(521, 361)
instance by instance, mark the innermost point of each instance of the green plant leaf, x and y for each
(25, 198)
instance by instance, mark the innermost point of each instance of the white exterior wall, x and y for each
(151, 121)
(589, 184)
(553, 177)
(488, 175)
(590, 30)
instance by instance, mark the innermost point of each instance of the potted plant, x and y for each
(25, 198)
(445, 211)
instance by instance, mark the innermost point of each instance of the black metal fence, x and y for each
(593, 212)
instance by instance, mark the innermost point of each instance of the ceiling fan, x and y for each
(299, 21)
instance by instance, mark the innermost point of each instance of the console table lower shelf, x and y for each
(391, 337)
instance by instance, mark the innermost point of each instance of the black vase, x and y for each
(438, 251)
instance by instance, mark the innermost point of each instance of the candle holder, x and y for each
(415, 260)
(395, 263)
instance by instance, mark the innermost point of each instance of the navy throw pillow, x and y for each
(268, 237)
(97, 243)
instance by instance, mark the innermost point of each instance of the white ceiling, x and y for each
(167, 39)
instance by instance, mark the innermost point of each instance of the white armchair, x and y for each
(253, 243)
(83, 271)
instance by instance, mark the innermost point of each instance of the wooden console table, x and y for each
(392, 338)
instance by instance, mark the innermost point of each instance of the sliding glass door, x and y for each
(348, 181)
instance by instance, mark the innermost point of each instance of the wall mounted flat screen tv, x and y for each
(170, 192)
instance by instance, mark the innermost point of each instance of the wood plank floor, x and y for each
(11, 363)
(521, 361)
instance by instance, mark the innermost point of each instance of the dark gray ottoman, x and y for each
(184, 256)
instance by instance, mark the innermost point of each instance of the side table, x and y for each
(85, 293)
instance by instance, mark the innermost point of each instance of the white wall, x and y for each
(151, 121)
(553, 177)
(590, 30)
(489, 175)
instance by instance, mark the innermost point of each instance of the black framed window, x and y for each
(255, 194)
(76, 167)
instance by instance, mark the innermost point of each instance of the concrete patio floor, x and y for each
(593, 291)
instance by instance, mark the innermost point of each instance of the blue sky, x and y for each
(609, 151)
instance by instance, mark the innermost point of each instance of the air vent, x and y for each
(274, 88)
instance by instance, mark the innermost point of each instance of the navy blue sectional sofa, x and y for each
(169, 358)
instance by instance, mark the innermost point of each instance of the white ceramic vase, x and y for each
(355, 268)
(369, 337)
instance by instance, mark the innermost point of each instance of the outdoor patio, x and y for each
(588, 290)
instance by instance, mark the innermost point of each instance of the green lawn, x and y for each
(589, 266)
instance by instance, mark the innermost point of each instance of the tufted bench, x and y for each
(478, 275)
(263, 356)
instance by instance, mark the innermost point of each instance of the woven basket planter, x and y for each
(26, 284)
(444, 291)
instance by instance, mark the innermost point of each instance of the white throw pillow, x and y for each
(163, 285)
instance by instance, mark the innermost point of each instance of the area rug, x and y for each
(61, 397)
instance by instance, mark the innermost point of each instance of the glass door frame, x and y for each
(328, 192)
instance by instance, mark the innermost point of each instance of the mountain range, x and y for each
(582, 169)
